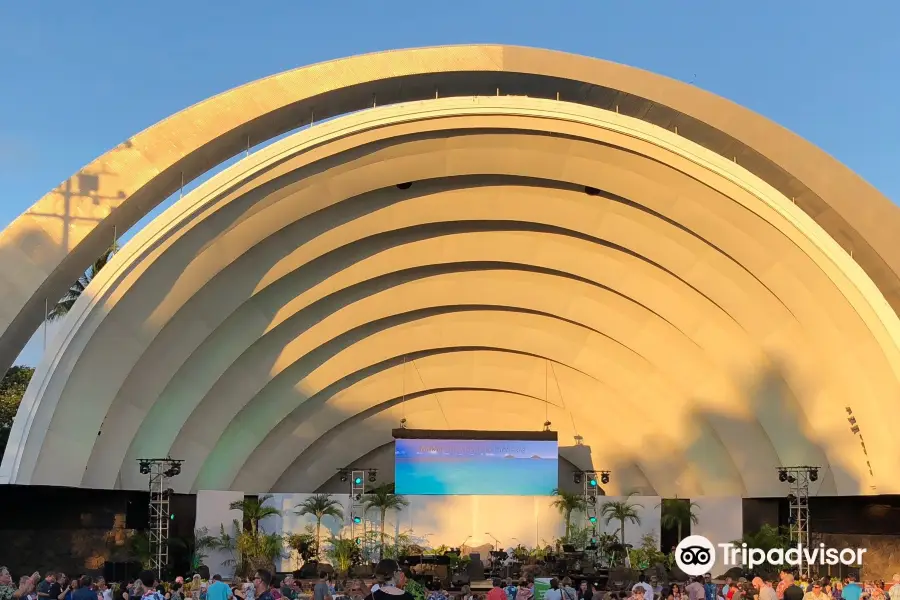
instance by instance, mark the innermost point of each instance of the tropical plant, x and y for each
(766, 538)
(621, 510)
(319, 506)
(255, 510)
(342, 552)
(304, 544)
(383, 499)
(251, 549)
(648, 553)
(12, 389)
(578, 536)
(195, 546)
(566, 504)
(139, 548)
(65, 304)
(403, 544)
(676, 513)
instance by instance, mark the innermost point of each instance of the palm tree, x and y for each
(320, 505)
(384, 499)
(65, 304)
(255, 510)
(566, 504)
(677, 513)
(621, 511)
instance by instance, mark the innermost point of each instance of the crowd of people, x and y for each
(393, 583)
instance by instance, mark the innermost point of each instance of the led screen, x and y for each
(476, 467)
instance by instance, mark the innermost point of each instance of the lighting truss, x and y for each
(799, 478)
(160, 470)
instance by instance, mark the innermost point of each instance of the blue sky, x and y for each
(80, 77)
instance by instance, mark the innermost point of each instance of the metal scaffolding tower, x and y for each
(160, 471)
(799, 479)
(358, 479)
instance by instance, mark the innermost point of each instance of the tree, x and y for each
(65, 304)
(566, 504)
(320, 505)
(12, 388)
(342, 552)
(255, 510)
(384, 499)
(304, 544)
(621, 511)
(677, 513)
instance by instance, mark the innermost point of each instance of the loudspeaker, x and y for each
(476, 567)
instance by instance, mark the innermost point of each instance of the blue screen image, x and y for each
(476, 467)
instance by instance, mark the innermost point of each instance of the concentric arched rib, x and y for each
(372, 431)
(592, 404)
(782, 279)
(521, 412)
(127, 182)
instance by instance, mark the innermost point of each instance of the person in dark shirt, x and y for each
(55, 587)
(792, 591)
(85, 589)
(261, 584)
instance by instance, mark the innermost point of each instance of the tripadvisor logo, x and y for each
(696, 555)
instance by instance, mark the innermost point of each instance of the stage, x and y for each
(474, 522)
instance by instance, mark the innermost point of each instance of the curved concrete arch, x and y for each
(587, 399)
(487, 407)
(505, 291)
(127, 182)
(810, 319)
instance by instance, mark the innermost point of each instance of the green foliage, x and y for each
(566, 504)
(383, 499)
(139, 548)
(648, 553)
(320, 506)
(579, 537)
(621, 511)
(195, 546)
(676, 514)
(65, 304)
(766, 538)
(255, 510)
(403, 544)
(416, 589)
(342, 552)
(304, 544)
(250, 549)
(12, 388)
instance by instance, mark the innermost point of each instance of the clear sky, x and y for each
(77, 78)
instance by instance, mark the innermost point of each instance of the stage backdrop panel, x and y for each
(720, 520)
(213, 513)
(473, 521)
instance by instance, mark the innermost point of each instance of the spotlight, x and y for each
(359, 541)
(604, 477)
(357, 480)
(577, 477)
(593, 519)
(145, 467)
(357, 519)
(792, 498)
(782, 475)
(791, 479)
(593, 481)
(547, 425)
(813, 474)
(373, 475)
(343, 475)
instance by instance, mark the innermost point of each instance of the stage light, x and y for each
(577, 477)
(357, 480)
(813, 474)
(145, 467)
(791, 479)
(343, 475)
(359, 541)
(782, 475)
(792, 498)
(604, 477)
(373, 475)
(593, 482)
(593, 519)
(547, 425)
(357, 519)
(172, 516)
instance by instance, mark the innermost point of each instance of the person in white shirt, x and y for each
(894, 592)
(642, 583)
